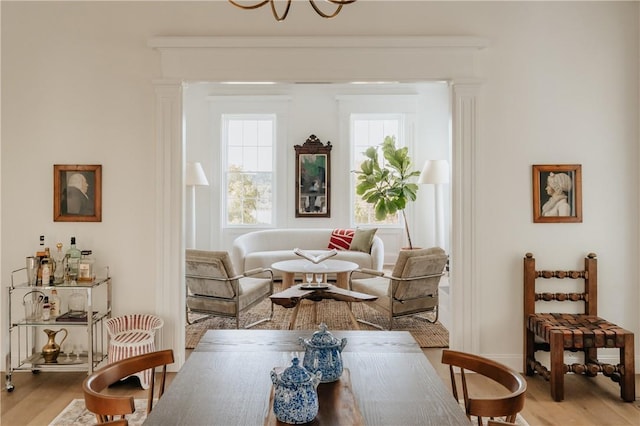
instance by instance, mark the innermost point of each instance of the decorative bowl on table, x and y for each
(295, 398)
(323, 352)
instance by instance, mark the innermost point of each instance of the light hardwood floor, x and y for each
(37, 399)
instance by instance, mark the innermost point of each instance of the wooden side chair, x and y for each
(214, 289)
(584, 332)
(110, 408)
(501, 408)
(412, 287)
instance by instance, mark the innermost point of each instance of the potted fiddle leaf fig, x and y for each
(387, 185)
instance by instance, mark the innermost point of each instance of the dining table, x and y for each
(226, 380)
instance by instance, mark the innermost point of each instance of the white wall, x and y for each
(560, 85)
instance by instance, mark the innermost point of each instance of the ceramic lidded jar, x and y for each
(295, 398)
(323, 352)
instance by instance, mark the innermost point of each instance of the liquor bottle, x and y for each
(85, 267)
(54, 301)
(46, 309)
(41, 254)
(74, 258)
(46, 271)
(58, 272)
(51, 262)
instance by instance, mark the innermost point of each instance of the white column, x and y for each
(169, 244)
(464, 296)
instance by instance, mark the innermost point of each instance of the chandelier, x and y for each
(280, 18)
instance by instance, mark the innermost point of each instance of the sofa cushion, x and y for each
(341, 239)
(363, 240)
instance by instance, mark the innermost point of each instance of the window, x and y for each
(369, 130)
(249, 179)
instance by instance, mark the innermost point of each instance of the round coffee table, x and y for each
(290, 268)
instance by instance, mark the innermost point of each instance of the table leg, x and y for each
(287, 279)
(354, 320)
(294, 316)
(342, 280)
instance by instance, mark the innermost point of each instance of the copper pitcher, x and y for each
(51, 350)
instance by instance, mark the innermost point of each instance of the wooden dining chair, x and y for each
(503, 407)
(108, 408)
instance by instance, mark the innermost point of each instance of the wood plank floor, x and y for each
(38, 398)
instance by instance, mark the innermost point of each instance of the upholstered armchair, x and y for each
(214, 288)
(411, 288)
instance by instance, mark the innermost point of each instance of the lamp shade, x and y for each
(194, 175)
(434, 172)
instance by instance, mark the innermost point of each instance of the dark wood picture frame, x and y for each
(566, 205)
(77, 193)
(313, 178)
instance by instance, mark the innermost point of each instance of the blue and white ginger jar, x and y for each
(323, 352)
(295, 396)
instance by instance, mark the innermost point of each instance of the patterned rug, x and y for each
(75, 414)
(331, 312)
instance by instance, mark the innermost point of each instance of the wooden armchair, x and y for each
(214, 289)
(110, 408)
(411, 288)
(504, 407)
(584, 332)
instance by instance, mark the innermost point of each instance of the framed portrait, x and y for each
(77, 193)
(313, 178)
(557, 193)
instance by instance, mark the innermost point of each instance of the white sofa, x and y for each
(260, 249)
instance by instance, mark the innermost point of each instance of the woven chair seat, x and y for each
(579, 331)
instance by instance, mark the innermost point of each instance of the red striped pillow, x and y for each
(341, 239)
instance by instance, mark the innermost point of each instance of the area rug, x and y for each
(76, 414)
(331, 312)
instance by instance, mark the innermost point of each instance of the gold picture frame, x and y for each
(557, 193)
(313, 178)
(77, 193)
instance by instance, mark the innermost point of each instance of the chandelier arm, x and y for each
(343, 2)
(321, 13)
(254, 6)
(275, 12)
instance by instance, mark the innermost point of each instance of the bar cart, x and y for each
(24, 328)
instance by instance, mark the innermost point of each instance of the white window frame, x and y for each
(355, 153)
(225, 119)
(380, 106)
(246, 105)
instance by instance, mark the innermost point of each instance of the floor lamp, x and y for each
(436, 172)
(194, 176)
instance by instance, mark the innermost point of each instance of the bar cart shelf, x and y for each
(26, 354)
